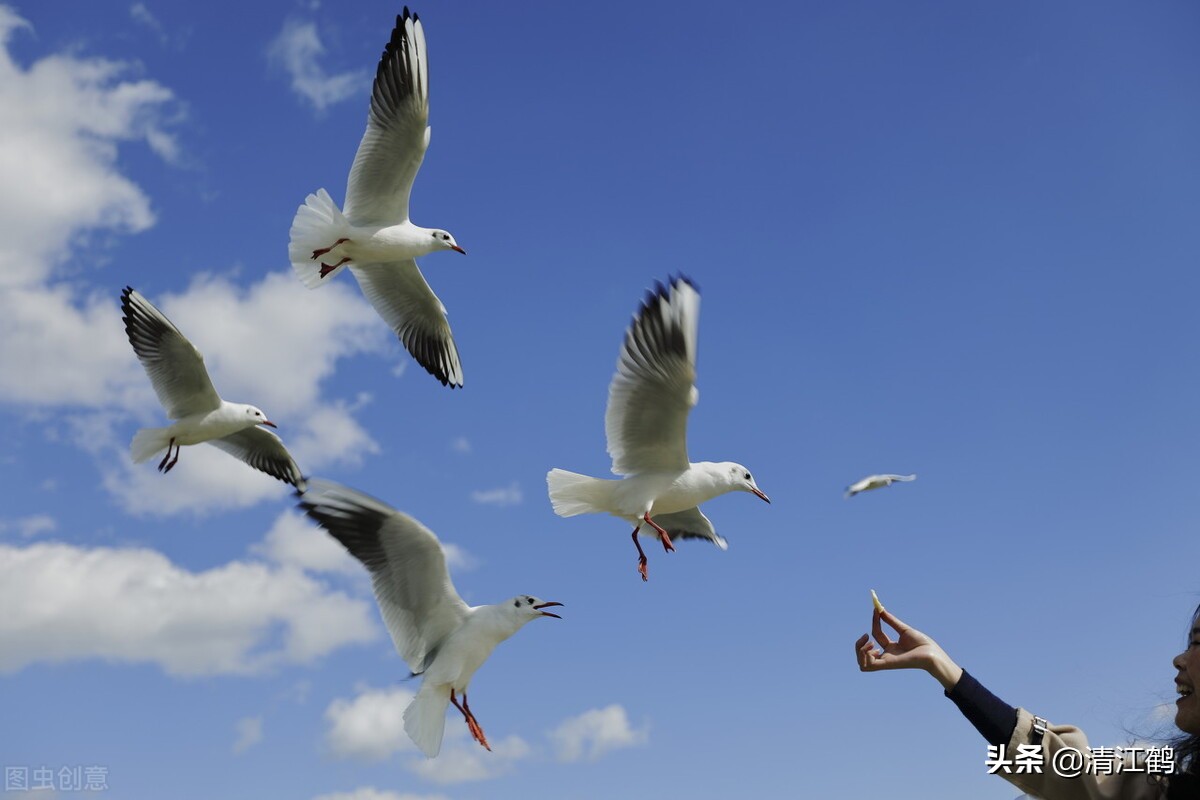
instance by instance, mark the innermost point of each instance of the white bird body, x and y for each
(373, 236)
(442, 638)
(649, 400)
(177, 373)
(876, 482)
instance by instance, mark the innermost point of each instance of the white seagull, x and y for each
(876, 482)
(646, 426)
(441, 637)
(373, 234)
(177, 372)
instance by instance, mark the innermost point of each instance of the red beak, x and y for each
(268, 423)
(761, 496)
(459, 249)
(547, 613)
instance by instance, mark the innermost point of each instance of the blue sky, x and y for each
(952, 240)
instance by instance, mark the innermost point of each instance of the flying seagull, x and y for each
(373, 234)
(177, 372)
(876, 482)
(441, 637)
(646, 426)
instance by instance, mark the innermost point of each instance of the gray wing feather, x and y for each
(654, 389)
(175, 366)
(690, 524)
(393, 146)
(263, 450)
(401, 295)
(408, 568)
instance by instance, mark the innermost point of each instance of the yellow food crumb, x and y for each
(875, 600)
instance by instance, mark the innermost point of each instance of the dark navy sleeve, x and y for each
(990, 715)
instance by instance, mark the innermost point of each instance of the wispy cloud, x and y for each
(141, 15)
(28, 527)
(371, 793)
(461, 445)
(508, 496)
(594, 733)
(249, 733)
(298, 50)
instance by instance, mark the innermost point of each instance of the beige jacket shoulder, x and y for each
(1049, 785)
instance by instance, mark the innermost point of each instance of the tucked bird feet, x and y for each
(327, 268)
(318, 253)
(165, 467)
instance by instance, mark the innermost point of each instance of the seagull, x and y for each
(646, 426)
(176, 370)
(876, 482)
(373, 234)
(441, 637)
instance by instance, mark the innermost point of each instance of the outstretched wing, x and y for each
(654, 386)
(397, 134)
(265, 452)
(175, 366)
(408, 568)
(403, 298)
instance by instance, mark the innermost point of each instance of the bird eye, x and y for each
(747, 476)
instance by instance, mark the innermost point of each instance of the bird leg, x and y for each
(641, 555)
(318, 253)
(175, 460)
(472, 723)
(162, 465)
(662, 534)
(326, 268)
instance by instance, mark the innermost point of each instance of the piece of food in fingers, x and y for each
(875, 600)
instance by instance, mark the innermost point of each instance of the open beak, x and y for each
(547, 613)
(761, 496)
(459, 249)
(268, 423)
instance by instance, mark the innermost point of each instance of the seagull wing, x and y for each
(690, 524)
(900, 477)
(264, 451)
(175, 366)
(403, 298)
(406, 562)
(397, 134)
(654, 386)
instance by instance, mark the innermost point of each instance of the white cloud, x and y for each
(249, 733)
(28, 527)
(594, 733)
(132, 605)
(470, 762)
(58, 153)
(298, 50)
(461, 445)
(509, 496)
(294, 541)
(141, 15)
(371, 793)
(457, 558)
(371, 726)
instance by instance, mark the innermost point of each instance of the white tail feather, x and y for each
(425, 717)
(317, 225)
(148, 442)
(572, 493)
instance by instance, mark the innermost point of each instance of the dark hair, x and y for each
(1187, 745)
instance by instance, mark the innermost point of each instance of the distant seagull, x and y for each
(646, 425)
(176, 370)
(440, 636)
(876, 482)
(373, 234)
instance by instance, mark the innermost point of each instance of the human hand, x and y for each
(911, 650)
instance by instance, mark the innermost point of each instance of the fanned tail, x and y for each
(317, 225)
(572, 493)
(148, 442)
(425, 718)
